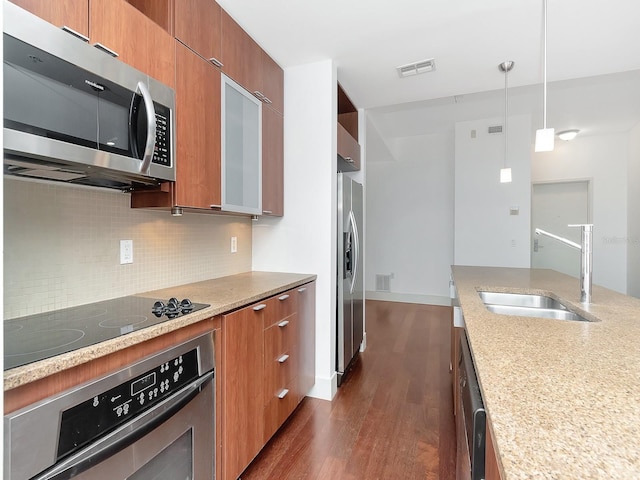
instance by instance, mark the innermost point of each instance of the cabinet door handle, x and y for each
(99, 46)
(216, 62)
(283, 324)
(283, 297)
(283, 393)
(259, 94)
(348, 159)
(283, 358)
(75, 34)
(267, 212)
(302, 289)
(257, 308)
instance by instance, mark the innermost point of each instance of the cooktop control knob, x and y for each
(158, 309)
(186, 305)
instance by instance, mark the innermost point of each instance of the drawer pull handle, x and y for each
(260, 307)
(283, 393)
(107, 50)
(283, 358)
(75, 34)
(283, 324)
(216, 62)
(283, 297)
(303, 289)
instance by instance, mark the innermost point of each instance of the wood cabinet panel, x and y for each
(279, 409)
(159, 11)
(273, 82)
(491, 467)
(272, 162)
(348, 148)
(138, 41)
(197, 131)
(306, 338)
(280, 359)
(71, 13)
(197, 25)
(240, 54)
(243, 402)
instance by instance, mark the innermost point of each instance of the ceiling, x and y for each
(468, 39)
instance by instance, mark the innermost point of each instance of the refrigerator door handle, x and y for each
(353, 226)
(348, 255)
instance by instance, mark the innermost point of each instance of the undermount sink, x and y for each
(528, 305)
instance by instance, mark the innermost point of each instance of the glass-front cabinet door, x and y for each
(241, 149)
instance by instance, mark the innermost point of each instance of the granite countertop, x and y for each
(563, 397)
(223, 294)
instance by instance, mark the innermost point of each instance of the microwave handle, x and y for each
(149, 148)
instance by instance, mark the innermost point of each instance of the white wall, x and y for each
(633, 214)
(410, 217)
(304, 239)
(604, 160)
(485, 231)
(61, 246)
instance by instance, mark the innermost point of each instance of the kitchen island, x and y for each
(561, 396)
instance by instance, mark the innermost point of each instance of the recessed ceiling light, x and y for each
(416, 68)
(568, 134)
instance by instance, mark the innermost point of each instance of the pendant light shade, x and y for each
(544, 136)
(505, 172)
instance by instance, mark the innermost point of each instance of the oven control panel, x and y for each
(103, 412)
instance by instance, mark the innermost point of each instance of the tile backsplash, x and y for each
(62, 246)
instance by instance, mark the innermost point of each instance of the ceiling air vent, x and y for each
(423, 66)
(495, 129)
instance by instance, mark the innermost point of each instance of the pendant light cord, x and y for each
(544, 90)
(506, 114)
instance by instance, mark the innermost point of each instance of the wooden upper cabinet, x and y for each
(197, 25)
(272, 163)
(70, 13)
(241, 55)
(197, 131)
(273, 82)
(138, 41)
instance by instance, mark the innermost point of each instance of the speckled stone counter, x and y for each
(223, 294)
(563, 397)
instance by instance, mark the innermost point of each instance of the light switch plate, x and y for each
(126, 252)
(234, 244)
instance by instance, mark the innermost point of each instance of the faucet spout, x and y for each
(586, 257)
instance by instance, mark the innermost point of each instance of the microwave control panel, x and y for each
(162, 154)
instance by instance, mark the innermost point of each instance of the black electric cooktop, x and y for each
(36, 337)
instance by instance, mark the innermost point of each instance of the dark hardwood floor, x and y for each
(391, 419)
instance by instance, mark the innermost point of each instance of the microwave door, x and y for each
(142, 127)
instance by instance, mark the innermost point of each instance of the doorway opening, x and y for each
(554, 206)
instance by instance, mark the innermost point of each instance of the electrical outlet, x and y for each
(234, 244)
(126, 251)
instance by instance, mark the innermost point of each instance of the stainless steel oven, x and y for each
(470, 418)
(154, 419)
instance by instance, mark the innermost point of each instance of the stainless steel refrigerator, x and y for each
(350, 304)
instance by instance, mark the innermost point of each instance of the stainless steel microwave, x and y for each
(76, 114)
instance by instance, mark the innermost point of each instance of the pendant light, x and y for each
(506, 67)
(544, 136)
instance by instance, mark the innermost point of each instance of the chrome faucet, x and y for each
(586, 259)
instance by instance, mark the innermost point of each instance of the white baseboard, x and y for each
(408, 298)
(325, 388)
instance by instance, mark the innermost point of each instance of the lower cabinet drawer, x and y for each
(279, 407)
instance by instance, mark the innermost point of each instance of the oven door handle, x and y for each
(125, 435)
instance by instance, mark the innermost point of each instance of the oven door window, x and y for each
(173, 463)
